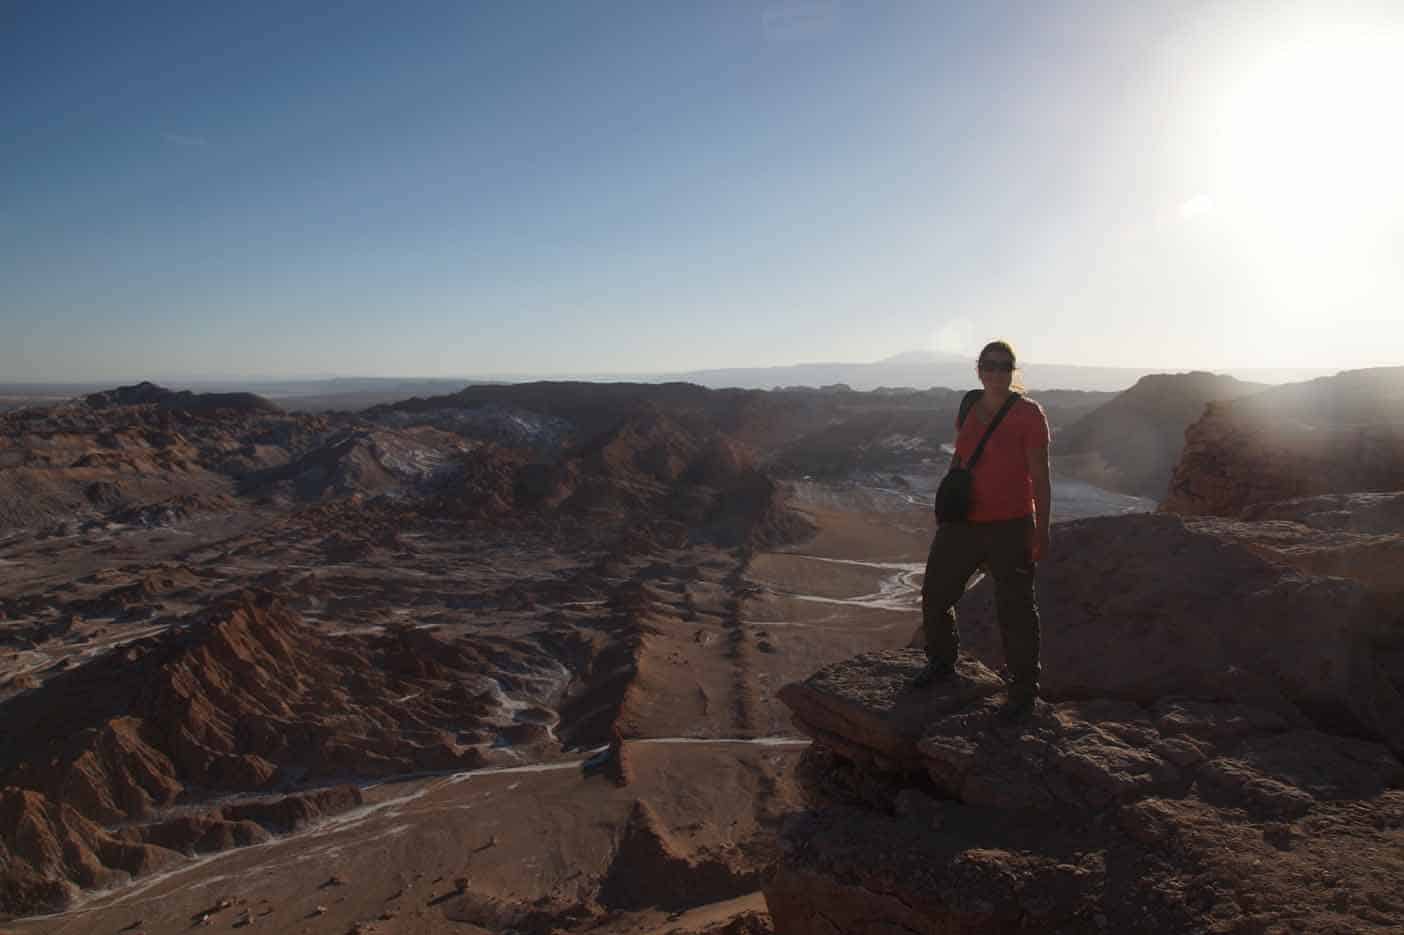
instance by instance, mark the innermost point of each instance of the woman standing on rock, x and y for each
(1002, 441)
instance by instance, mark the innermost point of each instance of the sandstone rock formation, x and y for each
(933, 811)
(244, 698)
(1132, 443)
(1341, 434)
(48, 850)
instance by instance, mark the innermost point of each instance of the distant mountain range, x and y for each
(916, 369)
(911, 369)
(926, 369)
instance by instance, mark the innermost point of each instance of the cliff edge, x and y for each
(932, 811)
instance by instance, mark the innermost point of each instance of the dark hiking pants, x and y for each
(957, 550)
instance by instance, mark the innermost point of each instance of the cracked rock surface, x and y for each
(1182, 814)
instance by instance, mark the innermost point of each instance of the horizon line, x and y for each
(632, 376)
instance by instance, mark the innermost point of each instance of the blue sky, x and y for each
(199, 189)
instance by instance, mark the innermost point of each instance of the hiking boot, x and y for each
(933, 673)
(1021, 702)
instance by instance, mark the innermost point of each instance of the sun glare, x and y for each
(1194, 207)
(1296, 171)
(1309, 134)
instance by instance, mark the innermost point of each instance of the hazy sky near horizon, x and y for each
(465, 188)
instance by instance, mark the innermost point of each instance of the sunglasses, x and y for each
(997, 366)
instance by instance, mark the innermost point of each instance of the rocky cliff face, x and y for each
(1334, 435)
(933, 811)
(1133, 442)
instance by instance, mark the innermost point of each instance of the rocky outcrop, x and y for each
(1132, 443)
(651, 472)
(1179, 814)
(870, 696)
(244, 698)
(1138, 607)
(654, 463)
(48, 851)
(247, 697)
(1355, 536)
(1359, 513)
(134, 598)
(367, 462)
(126, 458)
(485, 486)
(1340, 434)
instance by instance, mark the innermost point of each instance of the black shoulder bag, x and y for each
(953, 496)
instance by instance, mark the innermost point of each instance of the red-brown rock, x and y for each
(1340, 434)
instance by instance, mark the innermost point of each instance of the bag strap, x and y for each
(967, 403)
(994, 424)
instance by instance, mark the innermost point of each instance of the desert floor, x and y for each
(708, 750)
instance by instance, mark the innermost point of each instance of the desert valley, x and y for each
(631, 658)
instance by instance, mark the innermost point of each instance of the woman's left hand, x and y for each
(1038, 543)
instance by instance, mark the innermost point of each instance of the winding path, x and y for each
(899, 591)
